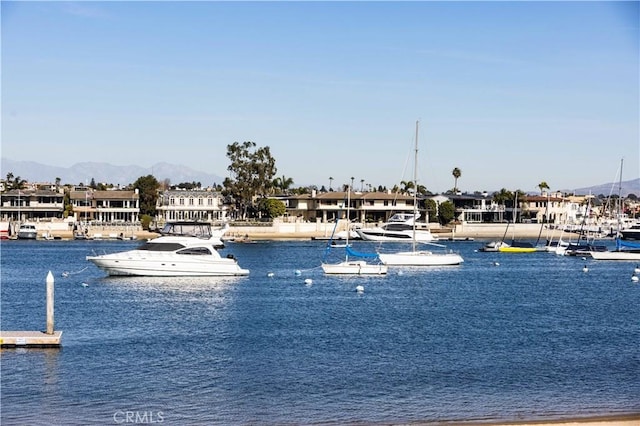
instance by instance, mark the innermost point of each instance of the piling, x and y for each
(49, 303)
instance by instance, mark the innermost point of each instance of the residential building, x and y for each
(31, 205)
(201, 205)
(105, 207)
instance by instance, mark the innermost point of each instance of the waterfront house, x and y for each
(105, 207)
(21, 205)
(200, 205)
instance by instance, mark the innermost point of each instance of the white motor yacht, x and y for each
(183, 249)
(400, 227)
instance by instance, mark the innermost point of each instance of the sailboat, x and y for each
(624, 250)
(351, 266)
(516, 246)
(417, 257)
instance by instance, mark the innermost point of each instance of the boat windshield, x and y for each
(189, 229)
(160, 246)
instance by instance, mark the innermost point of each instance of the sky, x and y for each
(511, 93)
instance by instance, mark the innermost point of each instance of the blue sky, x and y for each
(511, 93)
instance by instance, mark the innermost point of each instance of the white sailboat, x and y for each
(417, 257)
(351, 266)
(624, 250)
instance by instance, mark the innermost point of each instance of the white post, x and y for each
(49, 303)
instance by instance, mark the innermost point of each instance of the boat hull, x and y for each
(420, 258)
(165, 266)
(354, 267)
(616, 255)
(382, 236)
(27, 235)
(517, 249)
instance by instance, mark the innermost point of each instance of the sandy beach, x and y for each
(622, 420)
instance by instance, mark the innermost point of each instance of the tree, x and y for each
(543, 185)
(456, 174)
(446, 212)
(148, 191)
(283, 183)
(502, 196)
(431, 209)
(271, 208)
(252, 173)
(407, 186)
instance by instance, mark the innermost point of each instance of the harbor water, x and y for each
(501, 337)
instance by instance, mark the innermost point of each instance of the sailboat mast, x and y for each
(346, 255)
(620, 204)
(415, 189)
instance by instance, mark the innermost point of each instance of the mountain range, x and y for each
(82, 173)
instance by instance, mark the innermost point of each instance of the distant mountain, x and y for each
(103, 173)
(124, 175)
(626, 188)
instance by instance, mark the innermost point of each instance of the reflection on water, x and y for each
(176, 284)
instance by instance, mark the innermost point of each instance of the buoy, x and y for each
(637, 270)
(584, 258)
(298, 272)
(270, 274)
(85, 285)
(308, 281)
(585, 269)
(634, 278)
(496, 263)
(360, 289)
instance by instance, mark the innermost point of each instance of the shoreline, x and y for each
(593, 420)
(259, 234)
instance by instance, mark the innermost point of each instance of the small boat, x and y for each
(624, 251)
(27, 231)
(183, 249)
(400, 227)
(493, 246)
(415, 257)
(518, 247)
(349, 266)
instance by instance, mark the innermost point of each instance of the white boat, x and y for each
(349, 266)
(183, 249)
(631, 233)
(624, 251)
(400, 227)
(493, 246)
(354, 267)
(416, 257)
(27, 231)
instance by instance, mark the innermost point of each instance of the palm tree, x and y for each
(543, 185)
(456, 174)
(361, 184)
(330, 183)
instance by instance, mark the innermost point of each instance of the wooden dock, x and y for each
(35, 339)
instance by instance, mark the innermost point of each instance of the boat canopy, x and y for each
(352, 252)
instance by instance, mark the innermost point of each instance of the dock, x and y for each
(35, 339)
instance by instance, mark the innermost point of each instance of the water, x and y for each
(532, 338)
